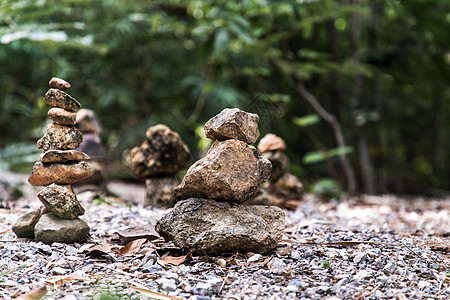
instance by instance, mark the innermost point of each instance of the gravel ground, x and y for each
(368, 247)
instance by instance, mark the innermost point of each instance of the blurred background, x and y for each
(358, 89)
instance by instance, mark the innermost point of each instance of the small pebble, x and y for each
(59, 84)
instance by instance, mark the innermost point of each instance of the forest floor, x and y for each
(368, 247)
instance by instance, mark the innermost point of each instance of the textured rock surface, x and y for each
(62, 116)
(287, 186)
(62, 156)
(60, 137)
(219, 227)
(233, 123)
(159, 191)
(51, 229)
(23, 227)
(271, 142)
(67, 173)
(61, 201)
(59, 84)
(58, 98)
(163, 154)
(231, 171)
(279, 162)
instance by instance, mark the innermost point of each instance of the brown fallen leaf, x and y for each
(5, 231)
(134, 233)
(132, 246)
(62, 279)
(35, 294)
(175, 260)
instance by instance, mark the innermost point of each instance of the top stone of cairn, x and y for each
(233, 123)
(59, 84)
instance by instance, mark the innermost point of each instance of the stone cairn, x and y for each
(211, 217)
(283, 185)
(157, 160)
(58, 167)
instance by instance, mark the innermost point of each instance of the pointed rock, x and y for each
(62, 116)
(61, 201)
(59, 84)
(200, 225)
(46, 174)
(62, 156)
(60, 137)
(87, 122)
(50, 229)
(233, 123)
(231, 171)
(58, 98)
(23, 227)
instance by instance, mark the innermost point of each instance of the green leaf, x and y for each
(307, 120)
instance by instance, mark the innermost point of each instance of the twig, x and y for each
(223, 284)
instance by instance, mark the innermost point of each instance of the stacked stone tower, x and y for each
(58, 167)
(213, 219)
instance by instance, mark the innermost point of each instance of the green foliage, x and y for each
(327, 189)
(326, 264)
(179, 62)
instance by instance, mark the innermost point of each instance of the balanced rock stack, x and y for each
(58, 167)
(212, 219)
(157, 161)
(281, 183)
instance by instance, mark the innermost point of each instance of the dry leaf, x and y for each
(62, 279)
(132, 246)
(134, 233)
(175, 260)
(154, 295)
(5, 231)
(35, 294)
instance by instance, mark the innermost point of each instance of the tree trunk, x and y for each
(363, 148)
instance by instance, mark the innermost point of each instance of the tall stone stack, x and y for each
(157, 160)
(210, 216)
(58, 167)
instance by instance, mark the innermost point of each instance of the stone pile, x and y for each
(210, 216)
(59, 166)
(283, 185)
(89, 126)
(157, 160)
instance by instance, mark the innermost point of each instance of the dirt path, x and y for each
(368, 247)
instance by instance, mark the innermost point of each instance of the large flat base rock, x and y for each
(200, 225)
(51, 228)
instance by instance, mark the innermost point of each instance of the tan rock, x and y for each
(62, 116)
(271, 142)
(62, 156)
(58, 98)
(23, 227)
(233, 123)
(59, 84)
(61, 201)
(287, 186)
(44, 174)
(60, 137)
(231, 171)
(159, 191)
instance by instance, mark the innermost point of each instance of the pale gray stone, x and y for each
(23, 227)
(51, 228)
